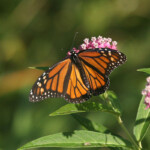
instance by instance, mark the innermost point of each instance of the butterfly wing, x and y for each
(52, 82)
(62, 80)
(66, 80)
(76, 92)
(98, 64)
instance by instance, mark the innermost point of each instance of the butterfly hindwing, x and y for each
(77, 91)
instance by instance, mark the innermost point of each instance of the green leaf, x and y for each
(90, 125)
(83, 107)
(112, 99)
(39, 68)
(142, 121)
(120, 148)
(78, 139)
(146, 70)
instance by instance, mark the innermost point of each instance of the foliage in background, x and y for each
(39, 33)
(97, 135)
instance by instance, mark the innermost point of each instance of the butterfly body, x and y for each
(80, 75)
(76, 61)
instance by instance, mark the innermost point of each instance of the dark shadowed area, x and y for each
(40, 33)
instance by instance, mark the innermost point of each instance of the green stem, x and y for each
(127, 133)
(140, 145)
(137, 147)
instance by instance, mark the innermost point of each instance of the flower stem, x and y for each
(127, 133)
(140, 145)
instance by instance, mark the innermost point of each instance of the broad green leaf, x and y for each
(146, 70)
(90, 125)
(78, 139)
(83, 107)
(142, 121)
(39, 68)
(112, 99)
(119, 148)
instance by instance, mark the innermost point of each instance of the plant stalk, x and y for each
(137, 147)
(140, 145)
(128, 134)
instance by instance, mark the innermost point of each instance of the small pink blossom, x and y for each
(146, 93)
(147, 106)
(83, 46)
(147, 99)
(86, 40)
(147, 87)
(148, 80)
(114, 45)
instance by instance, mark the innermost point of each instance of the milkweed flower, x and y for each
(99, 42)
(146, 93)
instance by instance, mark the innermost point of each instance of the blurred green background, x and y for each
(39, 33)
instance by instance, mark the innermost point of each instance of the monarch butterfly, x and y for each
(83, 73)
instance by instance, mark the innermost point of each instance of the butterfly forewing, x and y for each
(52, 82)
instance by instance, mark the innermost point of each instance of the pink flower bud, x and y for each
(148, 79)
(83, 46)
(147, 100)
(93, 39)
(144, 92)
(147, 88)
(86, 41)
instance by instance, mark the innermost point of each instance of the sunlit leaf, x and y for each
(88, 106)
(146, 70)
(120, 148)
(39, 68)
(78, 139)
(142, 121)
(110, 97)
(90, 125)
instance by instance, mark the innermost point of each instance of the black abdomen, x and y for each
(75, 59)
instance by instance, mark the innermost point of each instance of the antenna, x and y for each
(74, 39)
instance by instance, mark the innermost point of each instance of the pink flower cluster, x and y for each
(99, 42)
(146, 92)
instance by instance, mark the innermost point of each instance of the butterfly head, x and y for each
(73, 52)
